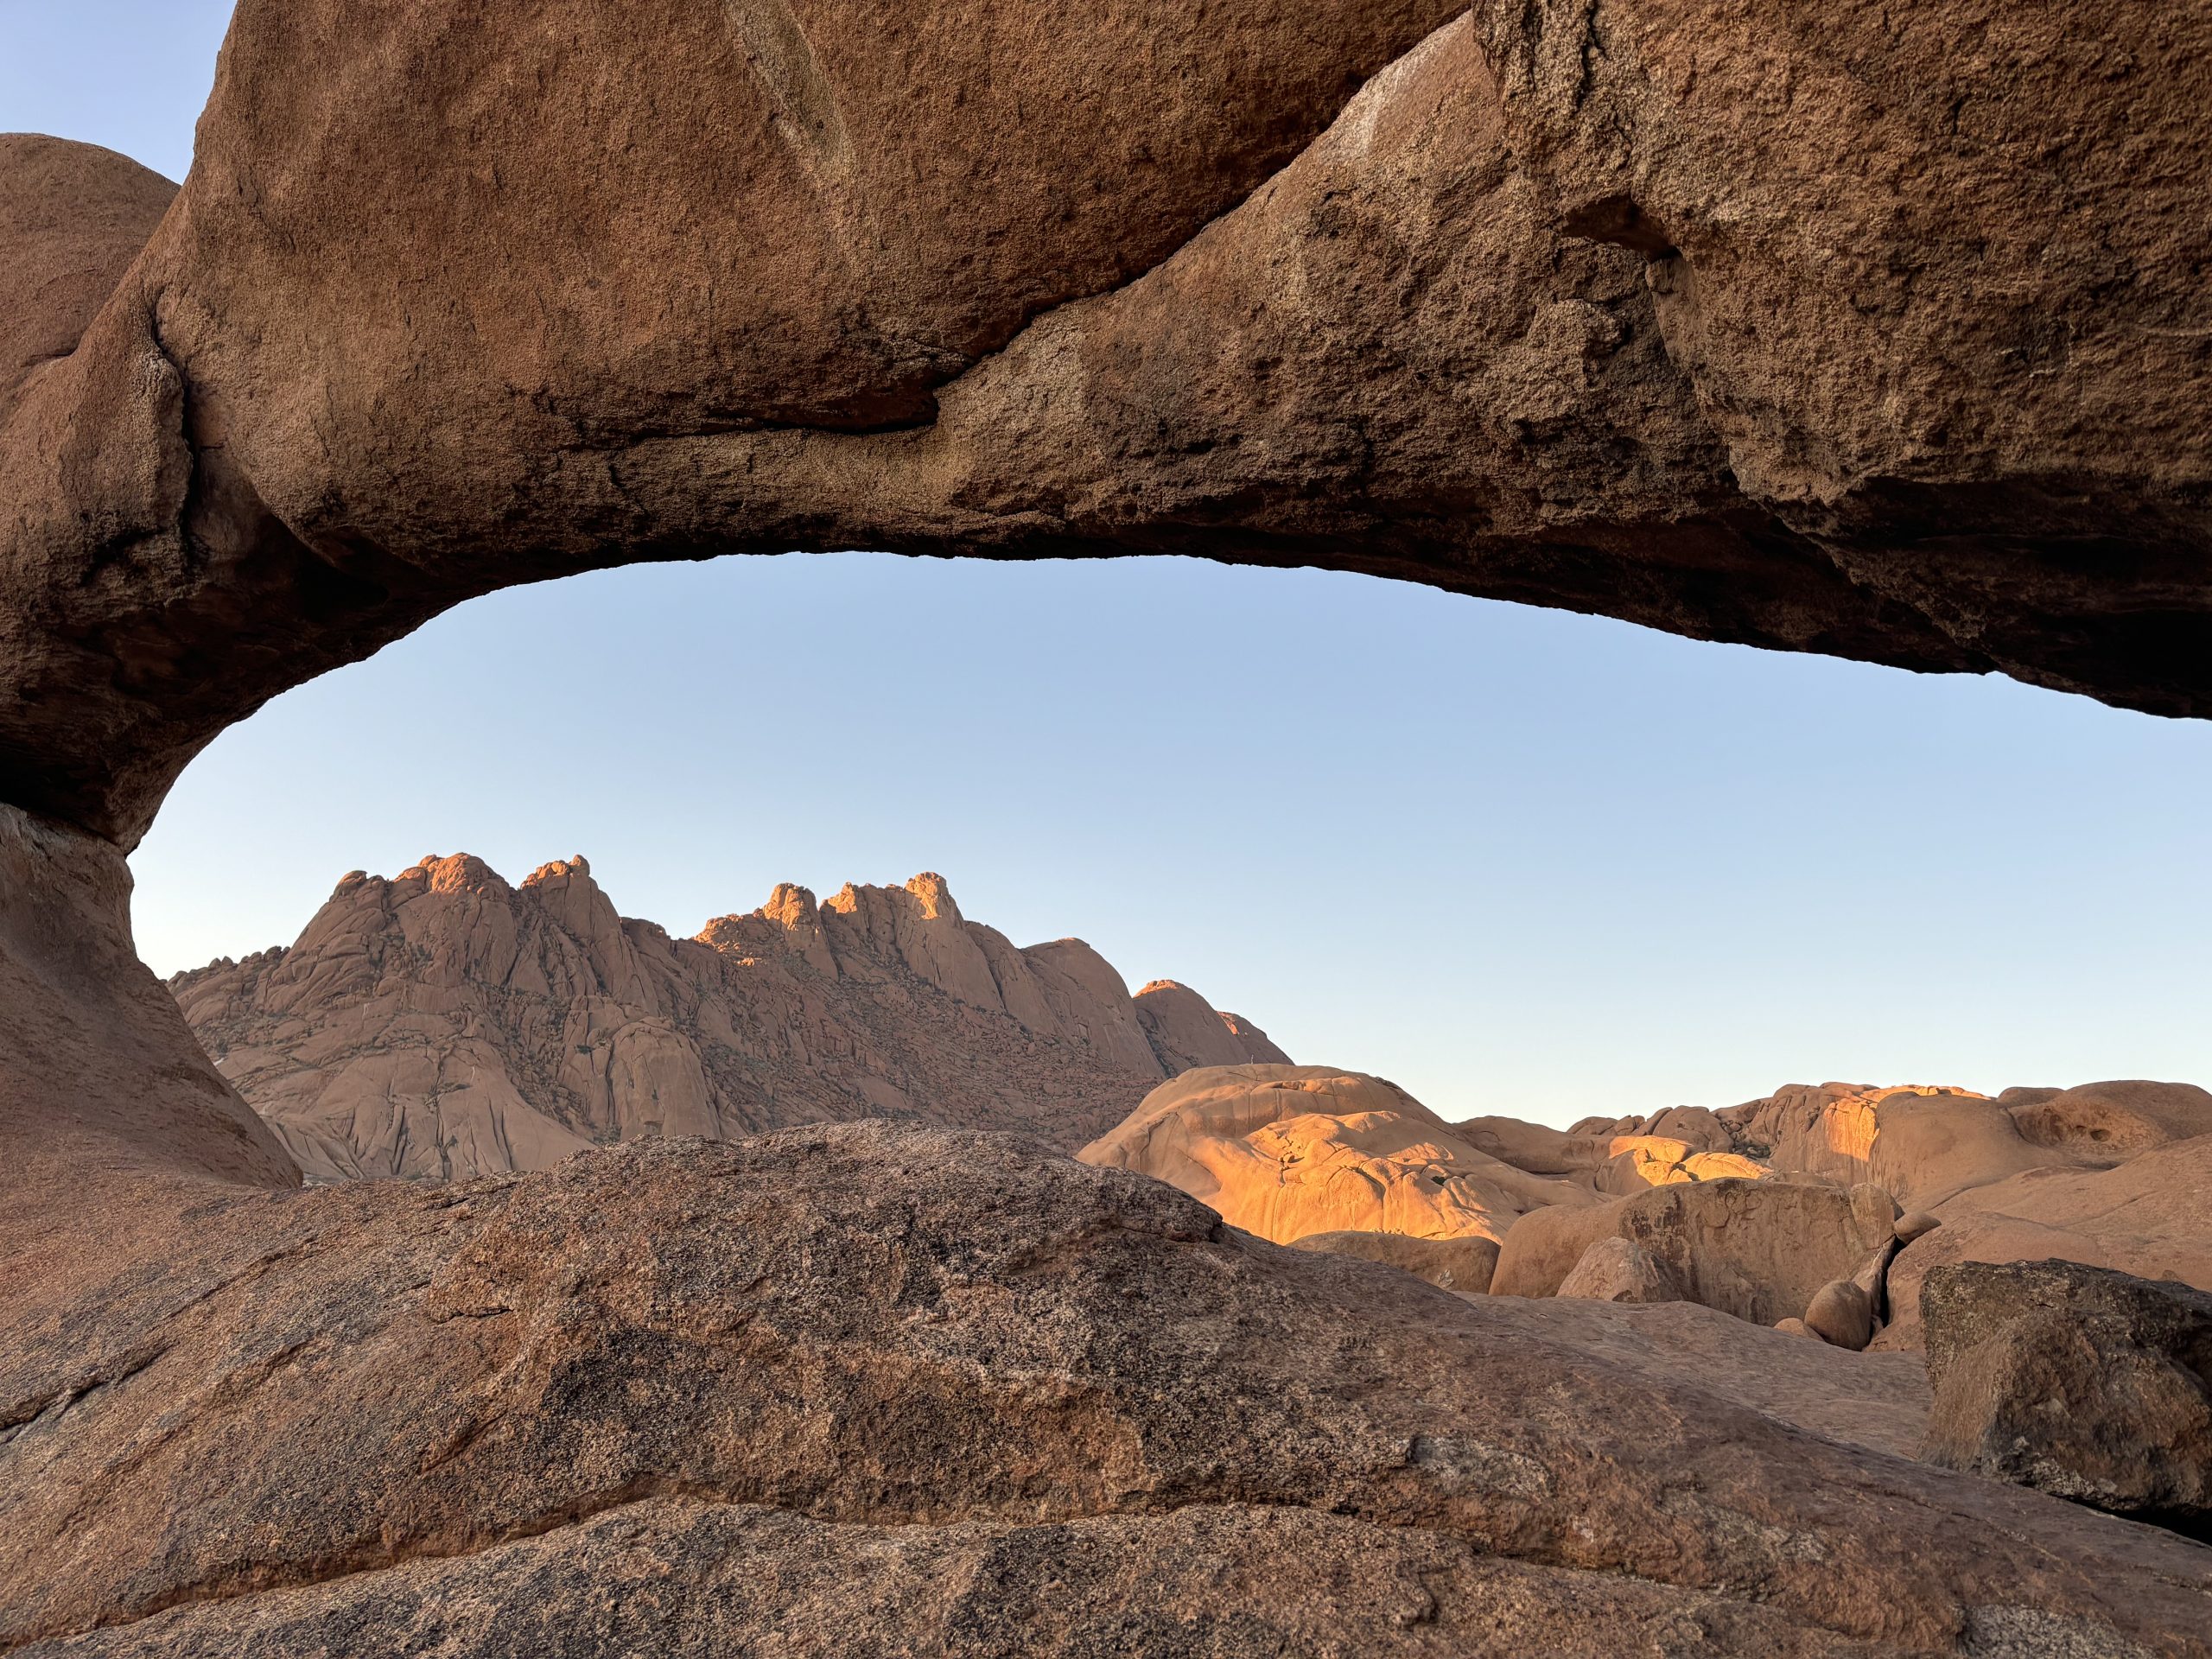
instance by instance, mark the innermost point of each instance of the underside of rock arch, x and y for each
(1882, 332)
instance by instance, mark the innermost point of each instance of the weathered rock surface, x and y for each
(2082, 1382)
(2112, 1120)
(73, 216)
(1462, 1264)
(1618, 1164)
(2148, 1217)
(1842, 1314)
(99, 1073)
(1554, 304)
(965, 1393)
(444, 1024)
(1876, 1401)
(1757, 1249)
(1616, 1269)
(1186, 1031)
(1287, 1150)
(1558, 302)
(1928, 1144)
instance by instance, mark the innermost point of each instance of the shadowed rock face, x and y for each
(2090, 1384)
(73, 216)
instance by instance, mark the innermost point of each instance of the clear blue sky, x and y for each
(1517, 861)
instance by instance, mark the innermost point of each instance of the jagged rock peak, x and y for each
(791, 906)
(443, 1024)
(936, 896)
(577, 868)
(459, 873)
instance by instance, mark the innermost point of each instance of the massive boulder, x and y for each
(966, 1397)
(1616, 1269)
(2089, 1384)
(1286, 1151)
(444, 1024)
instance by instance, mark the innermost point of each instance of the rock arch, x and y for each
(1874, 331)
(1580, 306)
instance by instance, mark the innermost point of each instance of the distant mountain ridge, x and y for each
(444, 1023)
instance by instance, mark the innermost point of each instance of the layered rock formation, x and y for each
(444, 1024)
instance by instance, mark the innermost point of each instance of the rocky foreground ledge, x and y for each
(867, 1390)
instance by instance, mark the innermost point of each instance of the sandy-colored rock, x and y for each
(2089, 1384)
(1612, 1160)
(73, 216)
(1543, 1248)
(753, 1380)
(1916, 1226)
(1287, 1152)
(1757, 1249)
(1922, 1143)
(1186, 1031)
(2146, 1217)
(1938, 1138)
(1259, 1049)
(1794, 1328)
(1464, 1264)
(1615, 1269)
(1841, 1315)
(1696, 1126)
(445, 1024)
(2113, 1121)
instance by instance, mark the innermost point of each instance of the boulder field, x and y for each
(1782, 1211)
(1874, 331)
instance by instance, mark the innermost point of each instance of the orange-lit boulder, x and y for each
(1287, 1150)
(1612, 1162)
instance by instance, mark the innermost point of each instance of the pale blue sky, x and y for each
(1517, 861)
